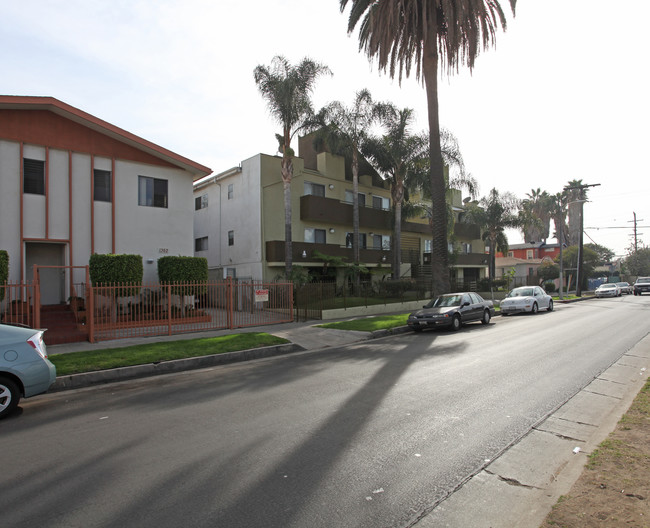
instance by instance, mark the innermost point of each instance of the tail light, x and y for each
(37, 343)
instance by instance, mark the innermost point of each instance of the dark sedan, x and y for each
(452, 311)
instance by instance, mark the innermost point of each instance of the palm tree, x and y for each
(287, 90)
(398, 155)
(403, 33)
(345, 132)
(494, 213)
(535, 215)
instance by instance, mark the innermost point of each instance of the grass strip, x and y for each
(92, 360)
(369, 324)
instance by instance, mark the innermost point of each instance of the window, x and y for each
(314, 236)
(201, 202)
(427, 246)
(379, 202)
(231, 191)
(529, 254)
(201, 244)
(362, 240)
(314, 188)
(349, 198)
(381, 242)
(231, 238)
(152, 192)
(511, 253)
(102, 185)
(33, 176)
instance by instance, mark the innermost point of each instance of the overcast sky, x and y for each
(562, 96)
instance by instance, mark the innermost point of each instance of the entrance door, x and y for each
(52, 280)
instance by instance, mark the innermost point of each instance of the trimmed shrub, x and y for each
(184, 270)
(4, 271)
(106, 270)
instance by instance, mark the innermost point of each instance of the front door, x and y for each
(52, 280)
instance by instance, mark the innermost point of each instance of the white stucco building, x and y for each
(72, 185)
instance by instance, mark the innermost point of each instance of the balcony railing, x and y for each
(275, 253)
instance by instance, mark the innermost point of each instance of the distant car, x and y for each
(526, 299)
(642, 285)
(24, 368)
(625, 287)
(452, 311)
(609, 289)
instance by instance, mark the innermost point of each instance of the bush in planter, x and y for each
(4, 271)
(106, 270)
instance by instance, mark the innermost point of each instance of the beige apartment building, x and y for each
(239, 222)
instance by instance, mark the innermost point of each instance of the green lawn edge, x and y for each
(93, 360)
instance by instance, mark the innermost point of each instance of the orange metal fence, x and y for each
(138, 310)
(17, 303)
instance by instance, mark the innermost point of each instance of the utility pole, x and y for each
(579, 271)
(636, 240)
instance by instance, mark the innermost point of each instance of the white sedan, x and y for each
(526, 299)
(609, 289)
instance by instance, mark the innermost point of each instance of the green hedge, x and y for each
(183, 270)
(4, 271)
(106, 270)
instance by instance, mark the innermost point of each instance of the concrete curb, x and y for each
(87, 379)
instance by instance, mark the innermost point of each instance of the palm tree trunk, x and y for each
(439, 251)
(287, 176)
(355, 218)
(397, 240)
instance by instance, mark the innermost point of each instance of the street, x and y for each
(369, 435)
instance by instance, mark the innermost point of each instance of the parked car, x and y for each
(642, 285)
(24, 368)
(625, 287)
(452, 310)
(608, 289)
(526, 299)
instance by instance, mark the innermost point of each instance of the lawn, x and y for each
(92, 360)
(370, 324)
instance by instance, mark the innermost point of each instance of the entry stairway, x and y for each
(61, 325)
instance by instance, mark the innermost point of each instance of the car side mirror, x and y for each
(466, 303)
(425, 306)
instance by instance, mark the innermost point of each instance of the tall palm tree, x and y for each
(287, 90)
(494, 213)
(403, 33)
(535, 215)
(345, 132)
(576, 193)
(398, 155)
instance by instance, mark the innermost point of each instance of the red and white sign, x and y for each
(261, 295)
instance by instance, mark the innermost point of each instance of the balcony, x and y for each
(371, 257)
(474, 260)
(334, 212)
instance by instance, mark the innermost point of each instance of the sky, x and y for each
(563, 95)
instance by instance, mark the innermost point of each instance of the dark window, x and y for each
(231, 238)
(201, 202)
(102, 185)
(231, 191)
(201, 244)
(315, 236)
(33, 176)
(152, 192)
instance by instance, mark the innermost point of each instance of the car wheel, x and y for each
(534, 309)
(9, 396)
(550, 306)
(486, 317)
(456, 323)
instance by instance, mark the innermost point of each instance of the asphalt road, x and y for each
(370, 435)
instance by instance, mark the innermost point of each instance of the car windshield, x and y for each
(447, 300)
(521, 292)
(643, 279)
(607, 286)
